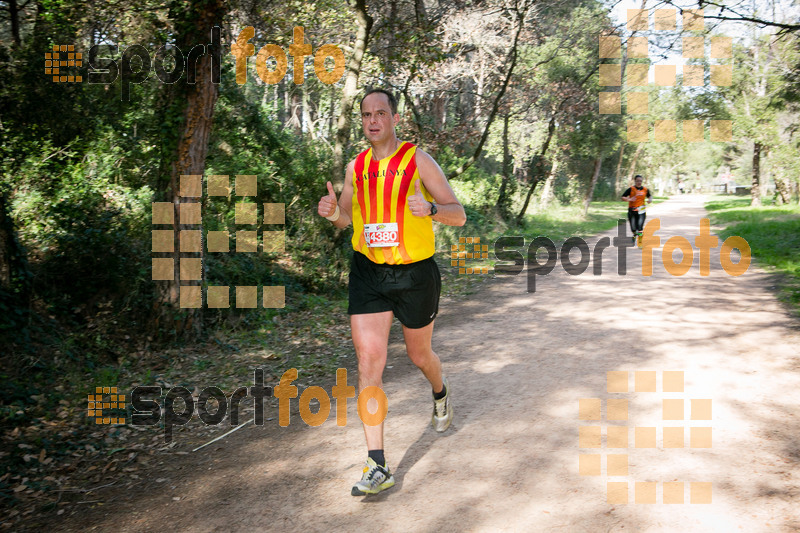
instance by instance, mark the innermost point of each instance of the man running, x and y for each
(635, 196)
(392, 193)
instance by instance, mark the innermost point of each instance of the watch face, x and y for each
(433, 209)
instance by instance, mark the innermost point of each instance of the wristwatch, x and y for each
(433, 209)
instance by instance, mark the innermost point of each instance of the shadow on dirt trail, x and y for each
(518, 364)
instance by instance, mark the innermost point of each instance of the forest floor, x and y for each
(524, 369)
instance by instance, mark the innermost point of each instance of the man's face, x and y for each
(638, 182)
(377, 119)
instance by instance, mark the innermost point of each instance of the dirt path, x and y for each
(518, 364)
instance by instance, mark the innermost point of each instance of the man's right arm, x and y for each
(626, 196)
(346, 198)
(329, 206)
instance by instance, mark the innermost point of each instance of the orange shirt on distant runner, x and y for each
(383, 227)
(638, 195)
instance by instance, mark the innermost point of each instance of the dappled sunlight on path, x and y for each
(518, 364)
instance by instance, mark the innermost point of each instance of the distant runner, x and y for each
(636, 196)
(392, 193)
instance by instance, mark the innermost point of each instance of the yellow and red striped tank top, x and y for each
(381, 188)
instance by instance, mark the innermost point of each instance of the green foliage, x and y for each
(90, 233)
(773, 233)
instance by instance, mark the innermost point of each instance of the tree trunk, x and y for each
(364, 24)
(590, 191)
(280, 102)
(547, 192)
(421, 14)
(13, 15)
(331, 113)
(502, 200)
(536, 168)
(194, 103)
(618, 173)
(308, 119)
(755, 185)
(783, 190)
(14, 274)
(409, 101)
(439, 112)
(296, 120)
(632, 169)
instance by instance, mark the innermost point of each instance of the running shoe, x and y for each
(375, 479)
(442, 410)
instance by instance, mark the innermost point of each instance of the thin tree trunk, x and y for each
(547, 192)
(280, 102)
(364, 24)
(331, 113)
(308, 120)
(14, 274)
(632, 168)
(536, 168)
(13, 14)
(590, 191)
(409, 101)
(421, 13)
(502, 200)
(783, 190)
(496, 106)
(618, 173)
(755, 185)
(439, 111)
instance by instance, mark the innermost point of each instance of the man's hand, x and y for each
(419, 206)
(327, 204)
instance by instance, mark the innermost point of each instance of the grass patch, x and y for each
(558, 223)
(773, 233)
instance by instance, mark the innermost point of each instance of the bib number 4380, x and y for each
(380, 235)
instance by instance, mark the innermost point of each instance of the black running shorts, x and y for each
(410, 291)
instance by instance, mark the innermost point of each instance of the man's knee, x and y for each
(370, 358)
(421, 356)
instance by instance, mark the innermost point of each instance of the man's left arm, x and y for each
(448, 209)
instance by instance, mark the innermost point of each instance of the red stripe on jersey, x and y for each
(358, 174)
(402, 202)
(372, 181)
(388, 183)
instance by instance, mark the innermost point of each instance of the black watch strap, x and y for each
(433, 209)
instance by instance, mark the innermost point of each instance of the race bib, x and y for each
(380, 235)
(641, 209)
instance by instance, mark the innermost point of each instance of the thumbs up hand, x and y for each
(328, 204)
(419, 206)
